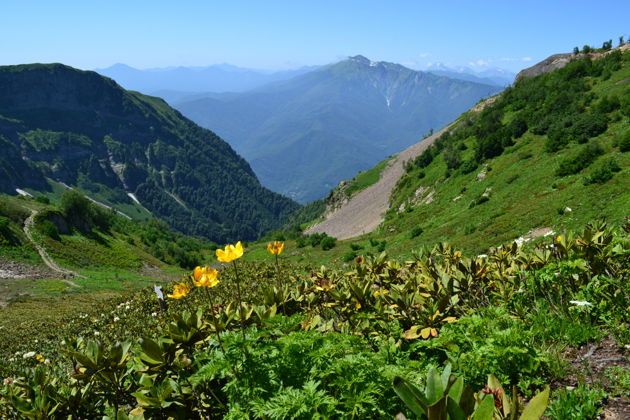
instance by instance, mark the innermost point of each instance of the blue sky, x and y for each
(274, 34)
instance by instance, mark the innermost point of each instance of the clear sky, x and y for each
(279, 34)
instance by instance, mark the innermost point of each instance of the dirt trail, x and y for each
(28, 224)
(364, 212)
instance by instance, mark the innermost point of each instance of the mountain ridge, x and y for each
(326, 125)
(83, 129)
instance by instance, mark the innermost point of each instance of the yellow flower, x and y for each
(230, 253)
(40, 358)
(559, 238)
(205, 277)
(179, 291)
(276, 247)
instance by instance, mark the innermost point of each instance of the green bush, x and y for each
(49, 229)
(468, 166)
(603, 173)
(349, 256)
(584, 158)
(415, 232)
(579, 403)
(328, 243)
(42, 199)
(356, 247)
(624, 143)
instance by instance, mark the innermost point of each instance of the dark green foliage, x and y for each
(425, 158)
(608, 104)
(479, 200)
(469, 166)
(518, 127)
(581, 160)
(624, 143)
(49, 229)
(415, 232)
(603, 173)
(349, 256)
(71, 123)
(165, 244)
(579, 403)
(452, 157)
(83, 214)
(356, 247)
(42, 199)
(328, 243)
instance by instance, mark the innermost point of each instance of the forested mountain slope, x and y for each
(83, 130)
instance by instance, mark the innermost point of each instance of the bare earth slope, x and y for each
(364, 212)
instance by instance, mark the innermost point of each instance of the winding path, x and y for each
(365, 210)
(28, 224)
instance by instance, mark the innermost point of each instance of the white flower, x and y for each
(482, 256)
(568, 209)
(581, 303)
(29, 354)
(97, 333)
(153, 314)
(116, 319)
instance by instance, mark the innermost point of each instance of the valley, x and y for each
(478, 273)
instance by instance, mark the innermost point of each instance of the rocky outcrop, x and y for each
(549, 64)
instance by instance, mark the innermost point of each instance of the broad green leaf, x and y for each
(455, 412)
(456, 390)
(485, 409)
(411, 396)
(151, 351)
(537, 406)
(434, 389)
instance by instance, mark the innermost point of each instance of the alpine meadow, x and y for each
(249, 219)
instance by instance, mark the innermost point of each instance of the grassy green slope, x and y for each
(524, 188)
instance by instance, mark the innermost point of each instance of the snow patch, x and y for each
(24, 193)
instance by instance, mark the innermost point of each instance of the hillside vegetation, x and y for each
(85, 131)
(551, 152)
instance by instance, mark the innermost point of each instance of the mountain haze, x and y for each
(173, 83)
(302, 136)
(82, 129)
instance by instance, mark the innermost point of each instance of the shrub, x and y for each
(624, 143)
(356, 247)
(603, 173)
(415, 232)
(42, 199)
(468, 166)
(579, 403)
(328, 243)
(348, 256)
(586, 156)
(49, 229)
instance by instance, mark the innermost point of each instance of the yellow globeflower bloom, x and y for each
(205, 277)
(276, 247)
(179, 291)
(230, 253)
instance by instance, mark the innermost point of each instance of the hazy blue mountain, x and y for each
(491, 76)
(174, 83)
(302, 136)
(84, 130)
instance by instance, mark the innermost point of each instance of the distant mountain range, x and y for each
(175, 83)
(303, 135)
(491, 76)
(83, 130)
